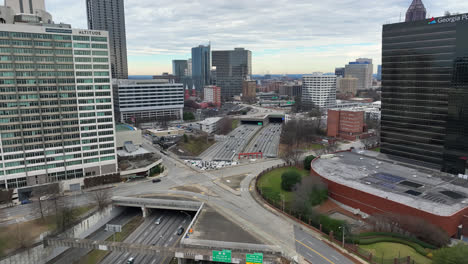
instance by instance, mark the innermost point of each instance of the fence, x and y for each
(355, 249)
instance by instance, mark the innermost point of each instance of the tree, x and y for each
(64, 216)
(451, 255)
(101, 198)
(185, 138)
(6, 196)
(189, 116)
(42, 194)
(307, 161)
(21, 237)
(311, 191)
(289, 179)
(225, 126)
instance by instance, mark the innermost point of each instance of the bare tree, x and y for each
(21, 237)
(44, 193)
(101, 198)
(225, 126)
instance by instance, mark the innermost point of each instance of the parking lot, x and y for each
(267, 141)
(235, 143)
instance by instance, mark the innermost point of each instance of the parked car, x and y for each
(26, 202)
(131, 260)
(180, 231)
(156, 180)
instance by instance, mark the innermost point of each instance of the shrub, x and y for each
(388, 234)
(330, 224)
(289, 179)
(188, 116)
(307, 161)
(451, 255)
(367, 241)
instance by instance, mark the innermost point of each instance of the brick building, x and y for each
(375, 185)
(346, 124)
(249, 90)
(212, 94)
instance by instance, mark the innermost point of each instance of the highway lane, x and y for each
(74, 254)
(148, 233)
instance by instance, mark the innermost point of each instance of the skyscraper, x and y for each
(362, 69)
(416, 11)
(201, 66)
(340, 72)
(319, 90)
(110, 16)
(425, 92)
(56, 112)
(179, 69)
(379, 72)
(232, 68)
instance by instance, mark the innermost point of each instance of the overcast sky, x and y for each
(285, 36)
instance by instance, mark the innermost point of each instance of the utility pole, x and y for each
(342, 231)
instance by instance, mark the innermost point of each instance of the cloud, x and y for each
(305, 34)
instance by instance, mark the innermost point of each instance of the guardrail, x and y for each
(156, 203)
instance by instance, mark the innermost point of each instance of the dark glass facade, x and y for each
(201, 66)
(424, 92)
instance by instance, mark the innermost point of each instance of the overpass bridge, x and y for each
(271, 255)
(148, 203)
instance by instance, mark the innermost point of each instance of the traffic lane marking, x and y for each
(316, 252)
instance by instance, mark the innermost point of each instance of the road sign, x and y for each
(222, 256)
(255, 258)
(113, 228)
(260, 123)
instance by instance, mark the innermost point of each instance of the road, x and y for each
(74, 254)
(268, 226)
(149, 233)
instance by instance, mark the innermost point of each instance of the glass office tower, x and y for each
(201, 66)
(425, 92)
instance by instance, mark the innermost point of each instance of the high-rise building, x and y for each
(291, 90)
(348, 86)
(362, 69)
(319, 90)
(189, 68)
(148, 100)
(25, 11)
(212, 94)
(416, 11)
(201, 66)
(379, 72)
(340, 72)
(110, 16)
(249, 90)
(56, 112)
(425, 92)
(179, 69)
(232, 68)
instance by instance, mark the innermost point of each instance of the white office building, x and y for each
(362, 69)
(210, 125)
(319, 90)
(56, 111)
(148, 100)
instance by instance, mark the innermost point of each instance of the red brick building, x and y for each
(212, 94)
(346, 124)
(375, 186)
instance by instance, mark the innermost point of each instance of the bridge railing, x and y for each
(156, 202)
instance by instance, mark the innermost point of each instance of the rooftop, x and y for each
(210, 120)
(428, 190)
(124, 127)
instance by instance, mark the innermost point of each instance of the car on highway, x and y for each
(159, 220)
(156, 180)
(131, 260)
(180, 231)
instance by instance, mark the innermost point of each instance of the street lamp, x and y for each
(342, 231)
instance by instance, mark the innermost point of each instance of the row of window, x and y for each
(36, 51)
(80, 45)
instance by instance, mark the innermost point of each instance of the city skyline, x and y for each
(284, 38)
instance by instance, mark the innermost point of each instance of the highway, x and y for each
(149, 233)
(234, 144)
(269, 226)
(266, 141)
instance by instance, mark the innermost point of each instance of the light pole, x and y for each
(342, 231)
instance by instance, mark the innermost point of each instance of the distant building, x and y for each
(166, 77)
(201, 66)
(189, 68)
(347, 124)
(249, 90)
(212, 94)
(232, 68)
(110, 16)
(210, 125)
(22, 11)
(319, 90)
(340, 72)
(179, 69)
(147, 100)
(362, 69)
(416, 11)
(379, 72)
(348, 86)
(291, 90)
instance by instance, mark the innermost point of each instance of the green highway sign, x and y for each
(222, 256)
(260, 123)
(255, 258)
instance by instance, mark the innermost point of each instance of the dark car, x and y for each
(180, 231)
(156, 180)
(26, 202)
